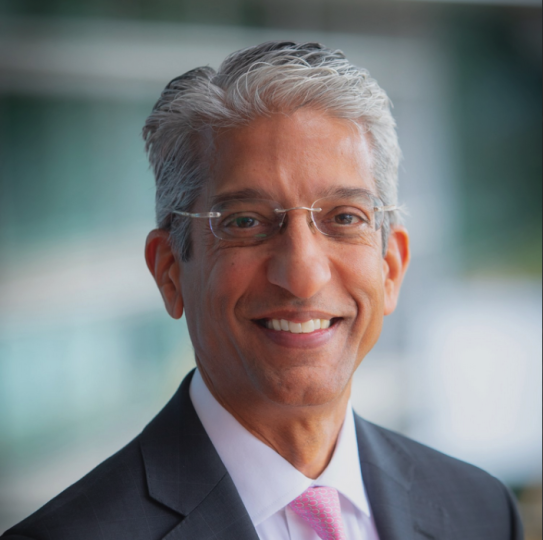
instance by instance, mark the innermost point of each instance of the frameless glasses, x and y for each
(256, 220)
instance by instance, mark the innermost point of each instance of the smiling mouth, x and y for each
(307, 327)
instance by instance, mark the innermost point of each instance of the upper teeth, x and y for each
(298, 328)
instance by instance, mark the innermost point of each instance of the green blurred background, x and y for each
(87, 353)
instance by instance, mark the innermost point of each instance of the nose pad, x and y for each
(310, 218)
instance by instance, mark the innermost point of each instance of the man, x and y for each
(279, 237)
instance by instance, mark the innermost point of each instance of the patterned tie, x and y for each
(319, 506)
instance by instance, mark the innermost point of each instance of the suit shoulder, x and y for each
(459, 486)
(425, 457)
(436, 473)
(90, 508)
(468, 495)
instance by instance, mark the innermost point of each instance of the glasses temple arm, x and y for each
(389, 208)
(198, 214)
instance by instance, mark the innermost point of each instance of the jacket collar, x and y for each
(400, 509)
(184, 473)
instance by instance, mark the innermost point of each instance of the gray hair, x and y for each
(260, 81)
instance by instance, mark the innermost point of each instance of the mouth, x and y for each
(293, 327)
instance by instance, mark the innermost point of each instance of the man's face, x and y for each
(230, 291)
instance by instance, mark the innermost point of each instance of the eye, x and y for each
(244, 222)
(241, 221)
(244, 225)
(348, 217)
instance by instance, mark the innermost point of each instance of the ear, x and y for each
(165, 268)
(395, 264)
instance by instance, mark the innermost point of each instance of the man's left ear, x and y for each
(395, 264)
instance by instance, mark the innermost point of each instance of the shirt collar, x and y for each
(266, 482)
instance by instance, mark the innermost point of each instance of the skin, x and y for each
(291, 391)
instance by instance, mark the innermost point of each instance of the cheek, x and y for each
(364, 331)
(208, 289)
(363, 276)
(228, 278)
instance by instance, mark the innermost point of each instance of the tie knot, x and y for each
(319, 507)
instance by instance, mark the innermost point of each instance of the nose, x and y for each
(299, 263)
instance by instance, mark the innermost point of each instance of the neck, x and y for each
(305, 436)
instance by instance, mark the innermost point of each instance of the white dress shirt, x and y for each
(267, 483)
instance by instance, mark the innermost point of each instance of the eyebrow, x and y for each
(248, 193)
(251, 193)
(346, 192)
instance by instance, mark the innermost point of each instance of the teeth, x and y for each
(297, 328)
(308, 327)
(294, 327)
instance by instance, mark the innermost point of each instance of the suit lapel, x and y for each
(389, 476)
(219, 516)
(185, 473)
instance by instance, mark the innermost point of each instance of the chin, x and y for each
(304, 386)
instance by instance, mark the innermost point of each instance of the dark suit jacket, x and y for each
(170, 484)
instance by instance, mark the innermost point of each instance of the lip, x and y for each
(315, 339)
(296, 316)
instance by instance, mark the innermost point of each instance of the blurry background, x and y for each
(87, 352)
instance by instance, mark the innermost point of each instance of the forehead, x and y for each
(291, 157)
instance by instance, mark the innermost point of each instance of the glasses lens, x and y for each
(248, 220)
(352, 217)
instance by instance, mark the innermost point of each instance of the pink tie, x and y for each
(319, 506)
